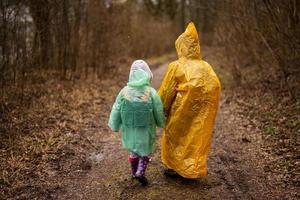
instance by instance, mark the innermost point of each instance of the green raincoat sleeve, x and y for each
(158, 111)
(115, 115)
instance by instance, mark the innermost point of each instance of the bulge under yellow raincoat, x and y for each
(190, 94)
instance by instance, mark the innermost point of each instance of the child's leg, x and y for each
(140, 173)
(142, 166)
(134, 161)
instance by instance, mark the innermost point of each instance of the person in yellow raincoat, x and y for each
(190, 94)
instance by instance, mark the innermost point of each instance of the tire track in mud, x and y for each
(225, 162)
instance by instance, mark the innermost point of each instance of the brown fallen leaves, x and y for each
(44, 128)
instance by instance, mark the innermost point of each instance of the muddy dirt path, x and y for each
(234, 171)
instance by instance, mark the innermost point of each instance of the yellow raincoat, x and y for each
(190, 93)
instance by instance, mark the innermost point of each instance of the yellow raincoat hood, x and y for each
(190, 94)
(187, 44)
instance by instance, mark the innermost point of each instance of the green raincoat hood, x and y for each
(140, 74)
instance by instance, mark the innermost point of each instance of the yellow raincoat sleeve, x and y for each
(167, 90)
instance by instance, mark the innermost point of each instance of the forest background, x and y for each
(51, 47)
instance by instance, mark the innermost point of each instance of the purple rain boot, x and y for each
(134, 161)
(140, 173)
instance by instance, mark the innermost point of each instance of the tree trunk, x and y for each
(183, 15)
(40, 11)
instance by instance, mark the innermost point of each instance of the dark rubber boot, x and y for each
(171, 173)
(143, 180)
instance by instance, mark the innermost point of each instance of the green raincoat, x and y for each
(137, 111)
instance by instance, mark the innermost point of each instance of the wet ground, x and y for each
(235, 170)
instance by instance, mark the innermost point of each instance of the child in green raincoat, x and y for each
(136, 113)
